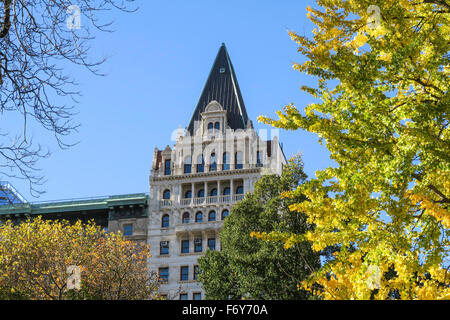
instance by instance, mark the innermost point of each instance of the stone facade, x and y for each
(194, 185)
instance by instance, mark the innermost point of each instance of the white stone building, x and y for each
(193, 185)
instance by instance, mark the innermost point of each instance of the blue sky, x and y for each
(159, 60)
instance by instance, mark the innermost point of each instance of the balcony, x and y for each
(197, 226)
(195, 202)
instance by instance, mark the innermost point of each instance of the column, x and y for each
(231, 190)
(192, 192)
(219, 192)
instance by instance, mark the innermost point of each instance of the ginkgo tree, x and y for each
(382, 109)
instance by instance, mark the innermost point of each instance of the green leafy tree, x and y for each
(248, 268)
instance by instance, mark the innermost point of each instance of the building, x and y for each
(214, 162)
(9, 195)
(125, 213)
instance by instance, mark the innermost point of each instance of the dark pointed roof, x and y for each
(223, 87)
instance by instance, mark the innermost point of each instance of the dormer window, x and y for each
(217, 126)
(226, 161)
(167, 167)
(200, 164)
(187, 164)
(213, 162)
(210, 127)
(238, 160)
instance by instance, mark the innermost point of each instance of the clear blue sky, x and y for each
(159, 59)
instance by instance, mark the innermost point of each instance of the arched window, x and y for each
(188, 194)
(212, 216)
(226, 191)
(201, 193)
(217, 126)
(165, 221)
(213, 192)
(213, 162)
(238, 160)
(166, 194)
(226, 161)
(200, 163)
(186, 217)
(210, 127)
(199, 217)
(188, 164)
(225, 214)
(240, 190)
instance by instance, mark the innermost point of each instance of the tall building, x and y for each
(193, 185)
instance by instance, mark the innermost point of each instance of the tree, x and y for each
(246, 267)
(383, 111)
(41, 259)
(37, 39)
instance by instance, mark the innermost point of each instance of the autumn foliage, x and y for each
(382, 109)
(36, 256)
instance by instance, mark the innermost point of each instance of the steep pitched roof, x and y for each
(223, 87)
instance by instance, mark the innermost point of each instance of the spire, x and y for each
(223, 87)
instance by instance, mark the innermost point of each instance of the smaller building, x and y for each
(126, 213)
(9, 195)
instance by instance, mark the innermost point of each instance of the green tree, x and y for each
(383, 111)
(247, 267)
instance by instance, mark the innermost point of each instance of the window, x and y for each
(165, 221)
(226, 161)
(197, 296)
(238, 160)
(184, 273)
(201, 193)
(213, 192)
(212, 244)
(213, 162)
(164, 274)
(217, 126)
(240, 190)
(186, 217)
(183, 296)
(196, 272)
(258, 159)
(184, 246)
(225, 214)
(164, 247)
(226, 191)
(200, 164)
(210, 127)
(167, 167)
(199, 217)
(198, 245)
(188, 194)
(166, 194)
(128, 230)
(188, 164)
(212, 216)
